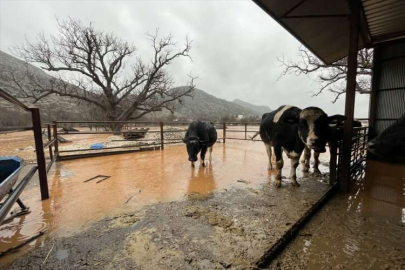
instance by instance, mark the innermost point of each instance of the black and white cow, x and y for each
(290, 129)
(200, 136)
(391, 142)
(336, 123)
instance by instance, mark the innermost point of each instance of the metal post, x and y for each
(162, 145)
(39, 150)
(350, 94)
(49, 139)
(55, 136)
(245, 130)
(224, 131)
(333, 158)
(373, 97)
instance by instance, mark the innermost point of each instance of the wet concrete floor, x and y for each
(362, 230)
(146, 185)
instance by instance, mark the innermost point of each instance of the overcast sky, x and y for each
(235, 44)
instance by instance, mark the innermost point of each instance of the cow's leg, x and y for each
(192, 165)
(293, 174)
(210, 150)
(279, 164)
(316, 163)
(307, 159)
(203, 152)
(268, 149)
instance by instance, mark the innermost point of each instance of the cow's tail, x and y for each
(254, 136)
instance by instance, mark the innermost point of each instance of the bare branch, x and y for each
(330, 77)
(88, 65)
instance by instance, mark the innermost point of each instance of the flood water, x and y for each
(137, 179)
(362, 230)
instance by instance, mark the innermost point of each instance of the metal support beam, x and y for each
(350, 94)
(373, 97)
(293, 8)
(39, 150)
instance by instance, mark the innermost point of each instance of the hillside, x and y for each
(201, 106)
(52, 107)
(259, 109)
(205, 106)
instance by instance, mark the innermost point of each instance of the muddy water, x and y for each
(18, 143)
(137, 179)
(362, 230)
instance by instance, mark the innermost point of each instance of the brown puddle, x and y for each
(362, 230)
(137, 179)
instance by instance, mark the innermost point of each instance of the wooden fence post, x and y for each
(245, 131)
(39, 150)
(162, 145)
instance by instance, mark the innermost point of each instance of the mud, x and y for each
(160, 190)
(363, 230)
(232, 229)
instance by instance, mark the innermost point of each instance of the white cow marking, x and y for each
(310, 116)
(280, 113)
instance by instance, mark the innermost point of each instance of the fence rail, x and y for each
(358, 154)
(39, 146)
(129, 128)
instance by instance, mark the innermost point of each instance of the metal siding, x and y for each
(390, 93)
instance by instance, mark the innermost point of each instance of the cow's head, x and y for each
(314, 127)
(193, 147)
(391, 142)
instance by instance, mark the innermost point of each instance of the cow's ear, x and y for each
(291, 119)
(336, 120)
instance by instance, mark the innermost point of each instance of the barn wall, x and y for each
(388, 85)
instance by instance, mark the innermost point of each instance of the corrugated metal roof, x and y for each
(385, 19)
(323, 26)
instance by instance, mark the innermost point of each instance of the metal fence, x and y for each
(39, 146)
(358, 154)
(161, 130)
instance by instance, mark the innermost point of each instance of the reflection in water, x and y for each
(145, 177)
(203, 181)
(365, 229)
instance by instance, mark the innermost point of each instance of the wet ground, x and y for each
(363, 230)
(155, 211)
(18, 143)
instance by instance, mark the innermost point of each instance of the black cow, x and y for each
(290, 129)
(336, 123)
(199, 137)
(391, 142)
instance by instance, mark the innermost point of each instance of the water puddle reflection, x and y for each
(137, 179)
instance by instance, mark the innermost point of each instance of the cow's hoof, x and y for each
(277, 183)
(295, 184)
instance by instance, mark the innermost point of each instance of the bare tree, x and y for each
(92, 66)
(331, 77)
